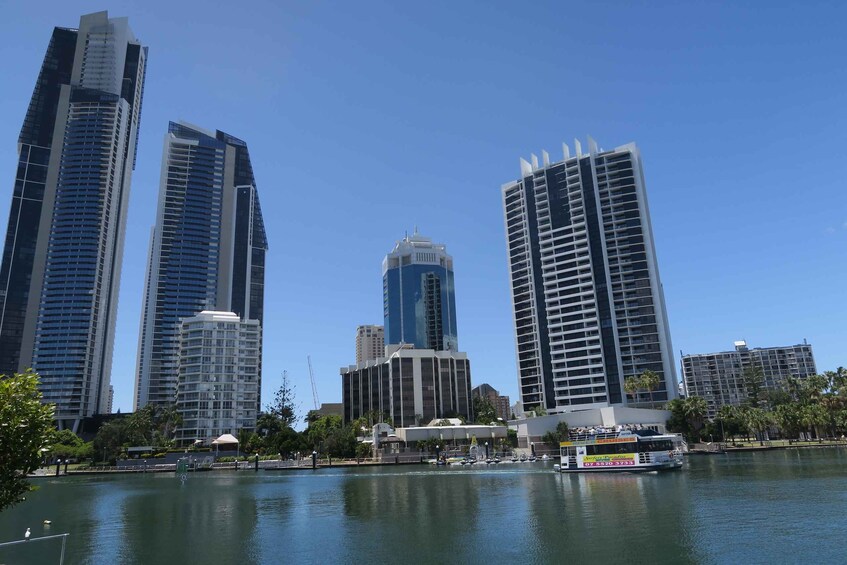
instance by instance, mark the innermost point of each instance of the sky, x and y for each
(366, 119)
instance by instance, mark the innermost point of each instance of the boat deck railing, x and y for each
(589, 436)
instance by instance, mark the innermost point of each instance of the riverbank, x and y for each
(730, 447)
(241, 466)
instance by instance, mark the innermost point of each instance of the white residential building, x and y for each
(218, 385)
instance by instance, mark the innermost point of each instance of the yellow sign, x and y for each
(612, 460)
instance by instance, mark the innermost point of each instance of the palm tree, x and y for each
(757, 421)
(631, 384)
(695, 408)
(650, 381)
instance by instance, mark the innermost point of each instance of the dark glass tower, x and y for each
(588, 302)
(64, 242)
(207, 250)
(419, 295)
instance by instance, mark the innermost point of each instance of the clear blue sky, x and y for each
(365, 119)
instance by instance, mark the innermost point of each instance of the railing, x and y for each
(42, 538)
(586, 436)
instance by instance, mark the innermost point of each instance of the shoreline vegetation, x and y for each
(796, 411)
(248, 464)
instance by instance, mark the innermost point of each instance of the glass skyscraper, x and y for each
(207, 250)
(64, 241)
(419, 295)
(589, 308)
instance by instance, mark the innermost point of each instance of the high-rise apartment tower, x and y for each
(370, 343)
(589, 310)
(64, 242)
(719, 377)
(207, 250)
(419, 295)
(218, 390)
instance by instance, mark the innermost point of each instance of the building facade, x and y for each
(419, 295)
(219, 376)
(64, 241)
(370, 343)
(719, 377)
(501, 404)
(411, 386)
(207, 250)
(588, 304)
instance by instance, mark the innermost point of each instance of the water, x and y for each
(777, 507)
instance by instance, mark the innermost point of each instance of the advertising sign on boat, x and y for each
(611, 460)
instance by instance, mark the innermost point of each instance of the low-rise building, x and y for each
(531, 430)
(218, 385)
(411, 386)
(719, 377)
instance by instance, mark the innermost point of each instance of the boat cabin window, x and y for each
(610, 448)
(655, 445)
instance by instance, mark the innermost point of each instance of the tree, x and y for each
(484, 412)
(512, 437)
(283, 405)
(695, 408)
(678, 422)
(730, 422)
(66, 444)
(555, 437)
(319, 430)
(687, 416)
(26, 427)
(168, 420)
(364, 450)
(631, 384)
(109, 440)
(757, 421)
(649, 381)
(754, 381)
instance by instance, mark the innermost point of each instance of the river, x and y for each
(775, 507)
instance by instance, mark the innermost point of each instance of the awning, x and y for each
(226, 439)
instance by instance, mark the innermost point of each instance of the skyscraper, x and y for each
(370, 343)
(64, 242)
(589, 309)
(207, 250)
(419, 295)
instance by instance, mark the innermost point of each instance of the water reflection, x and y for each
(415, 507)
(737, 508)
(627, 515)
(207, 520)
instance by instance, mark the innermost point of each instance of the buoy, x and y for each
(26, 534)
(47, 522)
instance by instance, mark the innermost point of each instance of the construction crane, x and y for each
(314, 388)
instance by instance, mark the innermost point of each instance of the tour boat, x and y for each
(627, 450)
